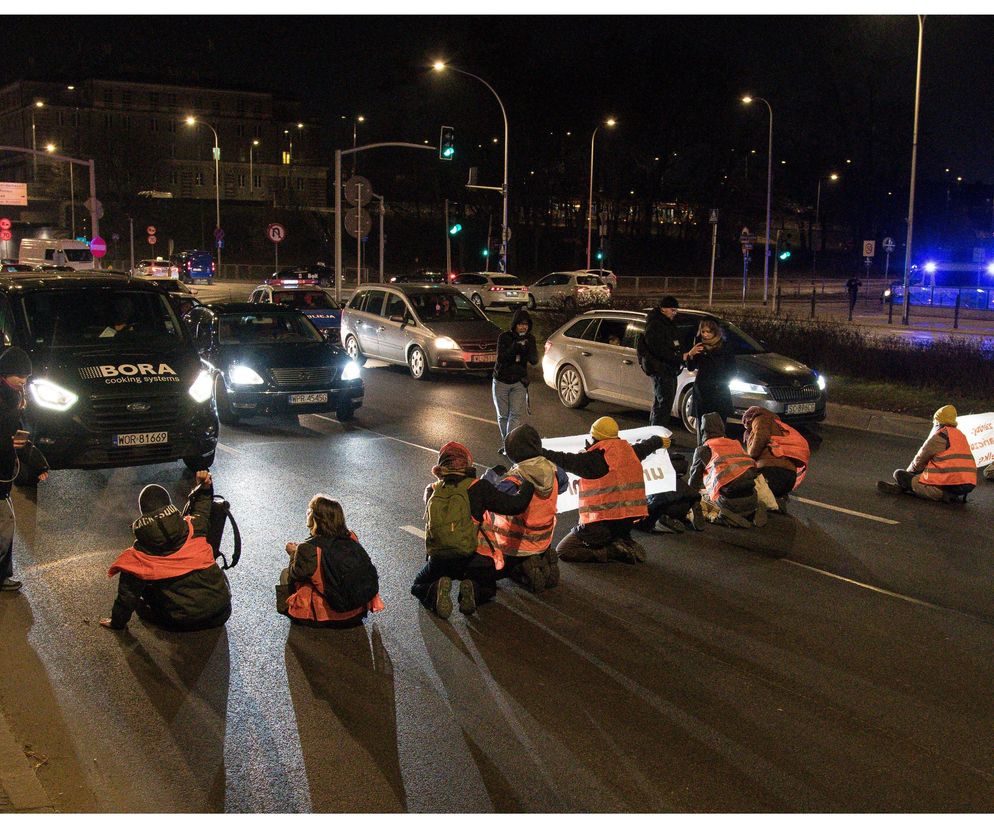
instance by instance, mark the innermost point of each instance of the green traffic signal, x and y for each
(485, 251)
(600, 255)
(454, 229)
(447, 143)
(784, 255)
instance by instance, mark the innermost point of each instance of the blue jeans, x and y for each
(509, 400)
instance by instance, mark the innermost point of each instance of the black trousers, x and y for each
(781, 481)
(674, 504)
(153, 615)
(664, 390)
(590, 542)
(477, 568)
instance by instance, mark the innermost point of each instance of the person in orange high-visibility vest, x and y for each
(944, 468)
(612, 494)
(525, 540)
(728, 475)
(780, 451)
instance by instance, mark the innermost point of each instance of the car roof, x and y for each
(410, 287)
(487, 273)
(249, 307)
(311, 287)
(641, 314)
(69, 280)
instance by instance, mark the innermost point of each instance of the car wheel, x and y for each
(225, 413)
(569, 385)
(532, 303)
(352, 349)
(477, 300)
(345, 411)
(686, 409)
(417, 363)
(199, 462)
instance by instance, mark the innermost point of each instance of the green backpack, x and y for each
(450, 530)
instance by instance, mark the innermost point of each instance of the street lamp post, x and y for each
(440, 66)
(814, 247)
(610, 122)
(252, 146)
(191, 121)
(911, 191)
(769, 191)
(34, 141)
(358, 119)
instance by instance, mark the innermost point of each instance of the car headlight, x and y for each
(446, 343)
(821, 382)
(49, 395)
(243, 375)
(202, 387)
(887, 293)
(737, 386)
(351, 370)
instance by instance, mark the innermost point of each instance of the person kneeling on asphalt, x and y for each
(728, 475)
(612, 494)
(675, 511)
(989, 473)
(330, 582)
(781, 452)
(455, 541)
(944, 468)
(169, 576)
(525, 540)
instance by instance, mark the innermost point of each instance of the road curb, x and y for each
(879, 422)
(20, 790)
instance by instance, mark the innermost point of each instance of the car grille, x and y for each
(477, 346)
(790, 393)
(109, 414)
(321, 375)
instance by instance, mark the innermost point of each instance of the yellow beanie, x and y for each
(604, 429)
(945, 416)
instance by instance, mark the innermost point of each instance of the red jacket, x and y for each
(194, 554)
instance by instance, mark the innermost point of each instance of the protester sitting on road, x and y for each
(169, 576)
(612, 494)
(673, 512)
(525, 540)
(728, 476)
(330, 581)
(943, 469)
(714, 362)
(516, 350)
(781, 452)
(456, 545)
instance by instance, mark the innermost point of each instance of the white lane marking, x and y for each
(61, 562)
(472, 417)
(888, 521)
(233, 450)
(870, 587)
(414, 530)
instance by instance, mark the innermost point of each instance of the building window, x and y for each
(126, 99)
(241, 179)
(108, 98)
(286, 156)
(241, 106)
(300, 183)
(108, 121)
(198, 179)
(172, 125)
(174, 177)
(153, 99)
(172, 150)
(172, 99)
(257, 181)
(240, 130)
(153, 124)
(60, 118)
(126, 121)
(216, 105)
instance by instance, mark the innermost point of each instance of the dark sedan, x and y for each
(271, 360)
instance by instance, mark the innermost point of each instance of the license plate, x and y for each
(801, 408)
(481, 357)
(145, 438)
(511, 293)
(297, 399)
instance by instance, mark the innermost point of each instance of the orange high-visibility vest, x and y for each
(307, 601)
(528, 533)
(791, 444)
(954, 466)
(728, 463)
(193, 555)
(618, 494)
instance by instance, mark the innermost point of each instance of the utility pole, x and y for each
(448, 243)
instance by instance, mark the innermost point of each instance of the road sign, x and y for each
(6, 235)
(152, 239)
(889, 245)
(218, 234)
(150, 229)
(4, 224)
(869, 248)
(357, 222)
(276, 233)
(358, 191)
(98, 247)
(93, 205)
(714, 217)
(13, 193)
(868, 261)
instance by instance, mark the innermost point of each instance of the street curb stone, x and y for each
(20, 790)
(879, 422)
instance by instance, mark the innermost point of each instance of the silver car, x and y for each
(593, 357)
(574, 289)
(426, 327)
(487, 290)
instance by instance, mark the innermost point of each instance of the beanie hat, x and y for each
(945, 416)
(152, 498)
(453, 458)
(604, 428)
(669, 302)
(15, 363)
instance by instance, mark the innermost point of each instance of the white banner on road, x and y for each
(979, 430)
(659, 473)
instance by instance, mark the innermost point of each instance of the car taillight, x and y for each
(212, 267)
(496, 288)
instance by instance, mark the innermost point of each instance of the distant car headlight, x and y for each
(351, 370)
(887, 294)
(202, 387)
(49, 395)
(243, 375)
(737, 386)
(821, 382)
(446, 343)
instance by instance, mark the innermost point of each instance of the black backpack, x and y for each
(219, 517)
(350, 579)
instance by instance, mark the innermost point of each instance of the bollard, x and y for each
(956, 311)
(814, 295)
(890, 307)
(776, 307)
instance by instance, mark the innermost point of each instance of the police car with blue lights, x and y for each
(304, 295)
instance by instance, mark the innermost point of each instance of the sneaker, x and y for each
(552, 577)
(640, 554)
(467, 597)
(697, 517)
(534, 578)
(759, 517)
(10, 585)
(903, 479)
(733, 519)
(889, 488)
(670, 524)
(443, 600)
(620, 551)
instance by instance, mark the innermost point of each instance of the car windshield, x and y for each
(739, 341)
(265, 328)
(444, 307)
(101, 317)
(304, 299)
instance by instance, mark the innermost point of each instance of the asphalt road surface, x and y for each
(839, 659)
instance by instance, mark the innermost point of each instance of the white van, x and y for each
(69, 253)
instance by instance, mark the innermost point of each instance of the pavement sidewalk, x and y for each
(20, 790)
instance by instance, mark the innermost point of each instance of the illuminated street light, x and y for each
(748, 99)
(610, 122)
(814, 249)
(49, 147)
(192, 121)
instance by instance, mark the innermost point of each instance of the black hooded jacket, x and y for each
(515, 352)
(663, 355)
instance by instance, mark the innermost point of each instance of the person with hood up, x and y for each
(944, 468)
(714, 363)
(516, 350)
(781, 452)
(728, 475)
(612, 494)
(525, 540)
(169, 576)
(456, 545)
(661, 357)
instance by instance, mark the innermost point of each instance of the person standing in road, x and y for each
(516, 350)
(714, 363)
(15, 368)
(661, 357)
(852, 288)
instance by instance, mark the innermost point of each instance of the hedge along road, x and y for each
(827, 661)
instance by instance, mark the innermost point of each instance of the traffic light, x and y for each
(600, 255)
(455, 229)
(785, 252)
(447, 143)
(485, 251)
